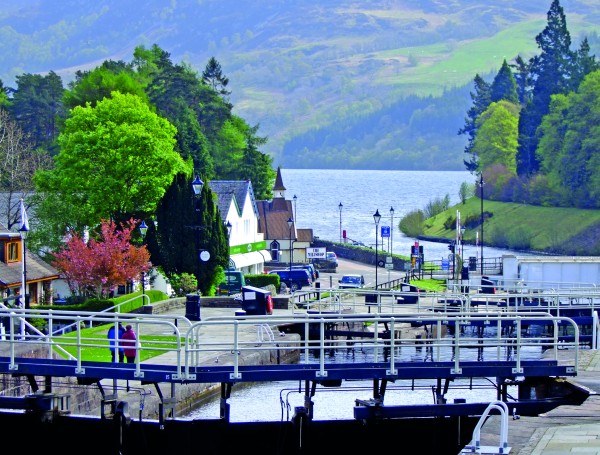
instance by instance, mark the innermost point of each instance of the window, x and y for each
(13, 251)
(275, 251)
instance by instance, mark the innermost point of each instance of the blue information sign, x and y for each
(385, 231)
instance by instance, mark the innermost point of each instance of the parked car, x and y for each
(351, 282)
(314, 273)
(232, 284)
(331, 257)
(294, 279)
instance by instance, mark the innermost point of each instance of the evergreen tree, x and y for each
(481, 100)
(37, 105)
(214, 77)
(551, 72)
(504, 86)
(521, 74)
(189, 223)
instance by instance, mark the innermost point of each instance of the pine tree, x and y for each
(550, 72)
(213, 76)
(481, 100)
(504, 86)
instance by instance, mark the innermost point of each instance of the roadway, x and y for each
(346, 266)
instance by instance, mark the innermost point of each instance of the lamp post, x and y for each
(24, 230)
(481, 221)
(229, 227)
(295, 198)
(392, 231)
(376, 218)
(462, 242)
(143, 229)
(290, 223)
(340, 207)
(197, 186)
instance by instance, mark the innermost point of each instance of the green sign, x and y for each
(248, 247)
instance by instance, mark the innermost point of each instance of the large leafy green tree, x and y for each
(496, 140)
(95, 85)
(569, 144)
(116, 160)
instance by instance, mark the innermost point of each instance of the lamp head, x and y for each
(197, 185)
(24, 230)
(229, 227)
(340, 206)
(290, 222)
(377, 216)
(143, 228)
(392, 211)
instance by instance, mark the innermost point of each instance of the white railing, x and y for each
(387, 338)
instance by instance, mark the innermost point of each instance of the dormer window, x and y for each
(12, 251)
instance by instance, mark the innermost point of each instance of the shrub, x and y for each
(412, 223)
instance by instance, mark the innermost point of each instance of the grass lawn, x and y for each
(95, 345)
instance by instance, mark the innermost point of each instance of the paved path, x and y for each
(564, 430)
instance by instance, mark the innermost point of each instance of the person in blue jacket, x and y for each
(113, 342)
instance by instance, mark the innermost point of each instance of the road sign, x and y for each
(389, 265)
(385, 231)
(315, 253)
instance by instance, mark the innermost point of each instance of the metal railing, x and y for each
(227, 346)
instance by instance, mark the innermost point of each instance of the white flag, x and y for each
(24, 219)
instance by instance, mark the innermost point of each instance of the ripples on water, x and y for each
(319, 193)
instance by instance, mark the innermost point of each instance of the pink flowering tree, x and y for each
(100, 265)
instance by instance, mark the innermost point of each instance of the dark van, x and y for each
(314, 273)
(294, 279)
(232, 284)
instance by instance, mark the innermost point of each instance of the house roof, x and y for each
(236, 190)
(36, 268)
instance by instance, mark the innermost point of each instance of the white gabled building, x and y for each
(237, 205)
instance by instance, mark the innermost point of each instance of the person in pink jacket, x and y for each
(129, 343)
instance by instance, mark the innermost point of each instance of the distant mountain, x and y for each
(364, 84)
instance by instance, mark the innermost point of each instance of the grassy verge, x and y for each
(521, 227)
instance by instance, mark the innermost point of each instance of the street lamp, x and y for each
(24, 230)
(481, 221)
(462, 242)
(377, 218)
(295, 198)
(340, 207)
(290, 223)
(143, 229)
(197, 186)
(392, 231)
(229, 227)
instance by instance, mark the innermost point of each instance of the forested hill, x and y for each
(365, 84)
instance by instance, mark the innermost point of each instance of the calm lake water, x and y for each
(319, 193)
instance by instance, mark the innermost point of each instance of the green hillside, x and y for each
(517, 226)
(373, 84)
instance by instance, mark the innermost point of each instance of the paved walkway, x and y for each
(564, 430)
